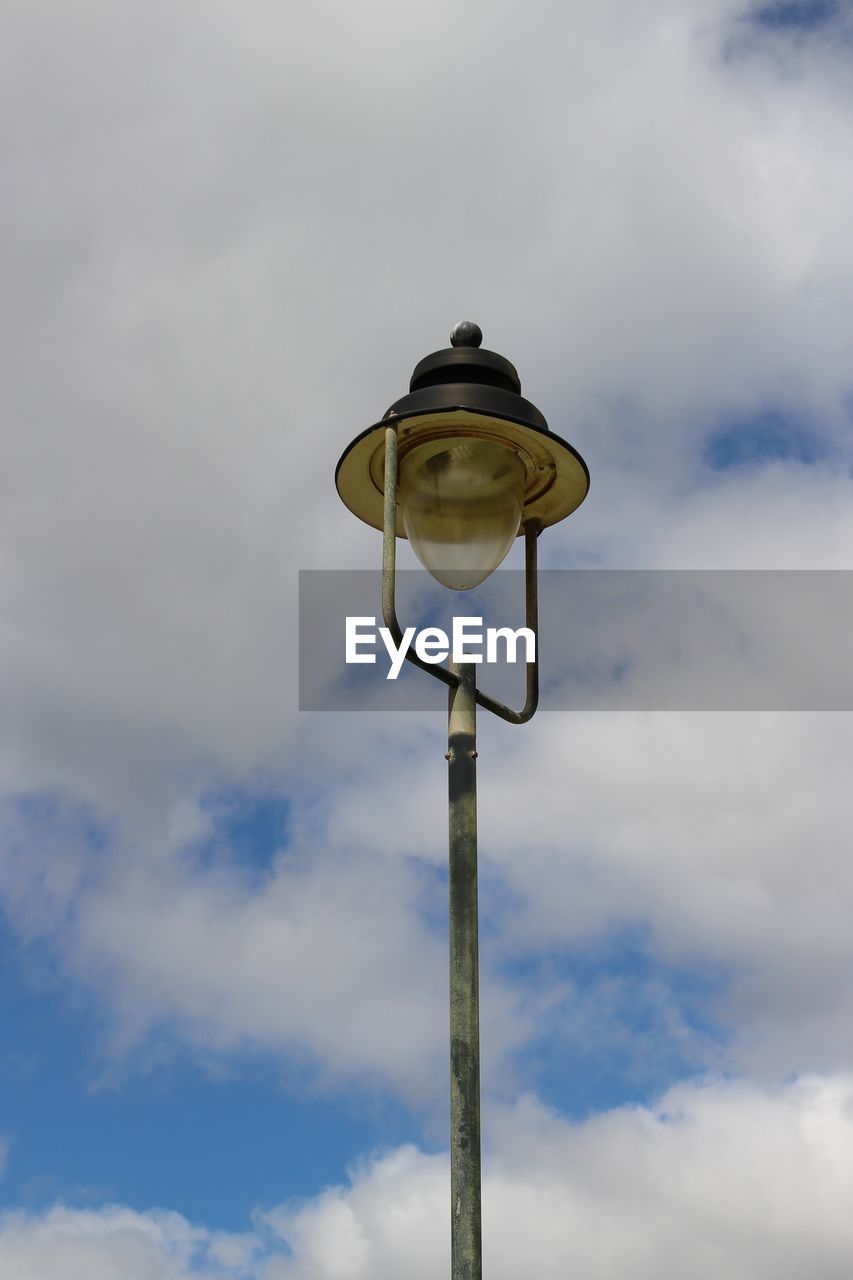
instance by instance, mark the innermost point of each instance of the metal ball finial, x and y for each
(466, 334)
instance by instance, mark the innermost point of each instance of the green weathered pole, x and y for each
(465, 1231)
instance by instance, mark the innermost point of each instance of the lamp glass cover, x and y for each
(461, 501)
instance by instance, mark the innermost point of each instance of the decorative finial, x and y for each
(466, 334)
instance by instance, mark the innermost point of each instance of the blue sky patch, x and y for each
(753, 440)
(211, 1145)
(629, 1027)
(250, 828)
(800, 15)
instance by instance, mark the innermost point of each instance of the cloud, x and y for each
(326, 955)
(216, 228)
(100, 1244)
(715, 1178)
(716, 842)
(230, 238)
(722, 1177)
(720, 838)
(658, 893)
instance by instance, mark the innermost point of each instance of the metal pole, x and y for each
(465, 1232)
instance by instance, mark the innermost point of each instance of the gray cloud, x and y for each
(229, 236)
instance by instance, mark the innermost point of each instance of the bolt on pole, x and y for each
(465, 1228)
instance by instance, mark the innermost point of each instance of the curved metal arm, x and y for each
(531, 620)
(389, 607)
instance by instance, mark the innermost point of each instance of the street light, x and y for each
(461, 466)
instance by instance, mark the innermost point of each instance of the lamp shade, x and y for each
(476, 462)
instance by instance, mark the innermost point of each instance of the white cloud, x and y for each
(101, 1244)
(717, 842)
(330, 957)
(216, 226)
(229, 237)
(715, 1179)
(723, 837)
(323, 958)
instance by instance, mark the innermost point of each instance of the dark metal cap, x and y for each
(466, 377)
(464, 361)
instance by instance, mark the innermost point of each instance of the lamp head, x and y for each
(476, 463)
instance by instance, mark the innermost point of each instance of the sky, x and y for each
(228, 234)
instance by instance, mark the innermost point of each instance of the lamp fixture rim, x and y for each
(558, 477)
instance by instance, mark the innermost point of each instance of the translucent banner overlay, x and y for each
(609, 640)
